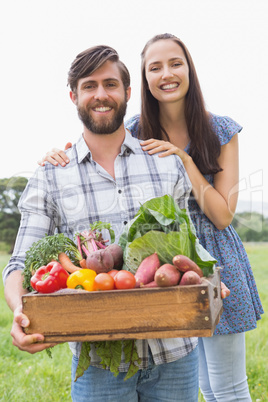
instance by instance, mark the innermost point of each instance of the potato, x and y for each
(146, 270)
(167, 275)
(184, 264)
(190, 278)
(152, 284)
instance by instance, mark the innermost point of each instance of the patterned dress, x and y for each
(243, 307)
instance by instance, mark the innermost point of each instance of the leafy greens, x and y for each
(45, 250)
(161, 226)
(110, 353)
(48, 248)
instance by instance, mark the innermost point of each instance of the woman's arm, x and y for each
(219, 202)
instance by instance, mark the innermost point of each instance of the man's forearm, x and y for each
(14, 289)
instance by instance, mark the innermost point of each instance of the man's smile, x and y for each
(102, 109)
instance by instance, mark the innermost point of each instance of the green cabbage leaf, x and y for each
(161, 226)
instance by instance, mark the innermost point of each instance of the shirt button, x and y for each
(125, 222)
(119, 191)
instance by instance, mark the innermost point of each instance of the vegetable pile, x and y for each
(157, 248)
(72, 257)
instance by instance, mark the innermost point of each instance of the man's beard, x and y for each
(106, 126)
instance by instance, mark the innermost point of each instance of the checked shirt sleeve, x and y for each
(38, 218)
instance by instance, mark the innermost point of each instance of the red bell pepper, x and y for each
(49, 278)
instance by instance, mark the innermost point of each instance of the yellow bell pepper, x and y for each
(82, 279)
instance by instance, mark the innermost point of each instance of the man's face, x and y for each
(101, 99)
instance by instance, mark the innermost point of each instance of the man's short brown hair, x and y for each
(90, 60)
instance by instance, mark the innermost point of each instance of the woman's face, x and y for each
(167, 71)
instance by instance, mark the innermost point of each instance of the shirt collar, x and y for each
(129, 145)
(83, 151)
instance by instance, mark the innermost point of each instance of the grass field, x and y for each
(29, 378)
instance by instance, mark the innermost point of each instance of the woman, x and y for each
(174, 120)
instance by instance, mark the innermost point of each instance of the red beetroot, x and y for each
(117, 253)
(100, 261)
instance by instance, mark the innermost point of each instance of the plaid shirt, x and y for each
(69, 199)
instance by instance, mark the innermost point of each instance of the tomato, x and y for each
(103, 281)
(124, 280)
(113, 272)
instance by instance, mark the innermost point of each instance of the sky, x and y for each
(39, 40)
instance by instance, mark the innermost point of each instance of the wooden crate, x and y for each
(77, 315)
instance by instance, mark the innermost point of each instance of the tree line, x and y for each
(250, 226)
(10, 192)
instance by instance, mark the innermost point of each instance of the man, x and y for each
(107, 179)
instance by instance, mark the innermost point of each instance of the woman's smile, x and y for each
(169, 86)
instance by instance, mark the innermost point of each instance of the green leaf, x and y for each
(99, 226)
(155, 214)
(131, 357)
(84, 360)
(164, 205)
(110, 353)
(49, 352)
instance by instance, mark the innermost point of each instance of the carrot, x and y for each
(67, 263)
(83, 263)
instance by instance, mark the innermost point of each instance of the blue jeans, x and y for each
(170, 382)
(222, 368)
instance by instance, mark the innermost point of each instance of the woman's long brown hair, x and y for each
(205, 146)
